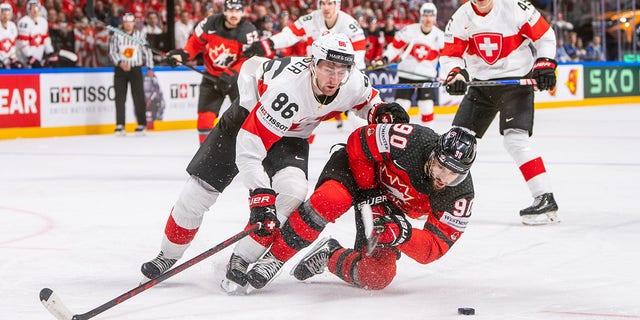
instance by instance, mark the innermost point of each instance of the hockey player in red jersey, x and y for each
(221, 38)
(400, 170)
(327, 17)
(492, 39)
(282, 102)
(424, 41)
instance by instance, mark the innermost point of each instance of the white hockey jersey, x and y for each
(311, 26)
(33, 38)
(279, 95)
(423, 55)
(496, 45)
(8, 36)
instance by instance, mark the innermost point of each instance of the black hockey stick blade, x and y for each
(52, 302)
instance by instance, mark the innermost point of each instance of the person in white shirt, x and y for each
(183, 29)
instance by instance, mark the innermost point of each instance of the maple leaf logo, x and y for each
(221, 56)
(393, 183)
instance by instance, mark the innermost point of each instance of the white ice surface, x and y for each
(80, 214)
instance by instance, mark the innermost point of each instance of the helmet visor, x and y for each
(441, 175)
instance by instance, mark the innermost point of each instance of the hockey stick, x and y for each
(436, 84)
(52, 302)
(372, 234)
(143, 43)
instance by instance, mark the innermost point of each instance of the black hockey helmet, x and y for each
(233, 4)
(456, 150)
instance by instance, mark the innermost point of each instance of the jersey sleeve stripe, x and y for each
(455, 49)
(536, 31)
(433, 229)
(299, 32)
(359, 45)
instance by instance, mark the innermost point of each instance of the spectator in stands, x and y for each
(570, 46)
(561, 54)
(375, 41)
(33, 43)
(283, 20)
(8, 36)
(595, 50)
(183, 29)
(153, 24)
(389, 29)
(265, 27)
(61, 34)
(113, 17)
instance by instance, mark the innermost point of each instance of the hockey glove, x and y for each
(263, 48)
(394, 229)
(50, 60)
(262, 202)
(544, 73)
(457, 81)
(388, 113)
(177, 56)
(33, 62)
(226, 80)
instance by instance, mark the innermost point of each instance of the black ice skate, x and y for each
(141, 130)
(264, 271)
(236, 281)
(544, 210)
(157, 266)
(316, 260)
(120, 132)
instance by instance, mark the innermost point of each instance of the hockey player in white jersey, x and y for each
(281, 102)
(8, 36)
(327, 17)
(424, 41)
(492, 39)
(33, 44)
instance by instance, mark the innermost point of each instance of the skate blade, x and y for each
(233, 289)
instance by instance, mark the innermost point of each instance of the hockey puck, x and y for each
(467, 311)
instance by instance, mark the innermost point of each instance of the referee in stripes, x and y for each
(128, 58)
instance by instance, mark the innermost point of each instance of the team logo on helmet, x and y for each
(488, 46)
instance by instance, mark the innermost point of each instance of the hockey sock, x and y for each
(206, 121)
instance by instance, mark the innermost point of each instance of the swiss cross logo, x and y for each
(342, 43)
(65, 94)
(489, 46)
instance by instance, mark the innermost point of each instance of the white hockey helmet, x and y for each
(428, 8)
(6, 7)
(336, 1)
(334, 47)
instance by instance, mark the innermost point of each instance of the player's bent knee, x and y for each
(376, 272)
(291, 186)
(195, 199)
(331, 200)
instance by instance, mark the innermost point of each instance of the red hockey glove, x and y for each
(388, 113)
(544, 72)
(262, 202)
(226, 80)
(177, 56)
(263, 48)
(394, 229)
(457, 81)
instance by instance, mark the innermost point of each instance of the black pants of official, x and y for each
(121, 79)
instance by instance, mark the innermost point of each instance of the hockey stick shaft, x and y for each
(144, 43)
(47, 294)
(436, 84)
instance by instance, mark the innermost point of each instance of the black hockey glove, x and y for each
(262, 202)
(394, 229)
(50, 60)
(16, 64)
(177, 56)
(544, 73)
(263, 48)
(226, 80)
(457, 81)
(33, 62)
(388, 113)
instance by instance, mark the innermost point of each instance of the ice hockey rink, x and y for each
(80, 214)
